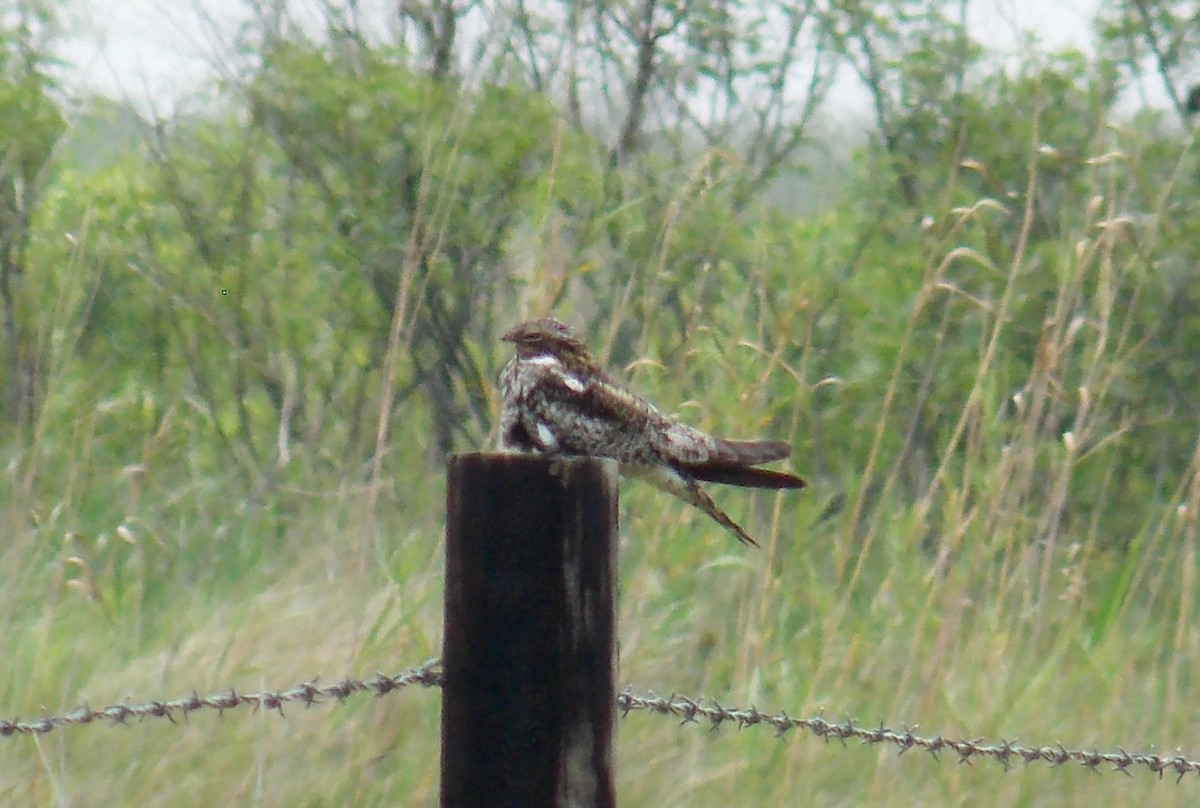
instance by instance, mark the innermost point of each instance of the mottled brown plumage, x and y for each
(558, 400)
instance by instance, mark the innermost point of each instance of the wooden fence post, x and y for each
(529, 657)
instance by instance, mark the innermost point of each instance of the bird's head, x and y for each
(549, 337)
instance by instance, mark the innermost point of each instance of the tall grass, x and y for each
(952, 570)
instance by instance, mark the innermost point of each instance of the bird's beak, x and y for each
(511, 336)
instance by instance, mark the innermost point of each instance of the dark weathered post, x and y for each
(529, 693)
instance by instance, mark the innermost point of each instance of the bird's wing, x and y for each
(686, 445)
(751, 452)
(589, 411)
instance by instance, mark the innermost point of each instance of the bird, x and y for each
(557, 400)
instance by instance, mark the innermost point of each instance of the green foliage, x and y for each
(33, 125)
(424, 184)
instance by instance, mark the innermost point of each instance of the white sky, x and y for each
(155, 52)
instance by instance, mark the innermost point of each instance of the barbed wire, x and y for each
(307, 693)
(687, 709)
(691, 711)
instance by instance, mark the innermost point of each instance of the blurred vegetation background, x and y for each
(237, 345)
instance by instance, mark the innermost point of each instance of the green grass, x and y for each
(967, 651)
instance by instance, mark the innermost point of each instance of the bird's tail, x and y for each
(731, 462)
(745, 476)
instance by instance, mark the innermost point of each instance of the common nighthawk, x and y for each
(558, 401)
